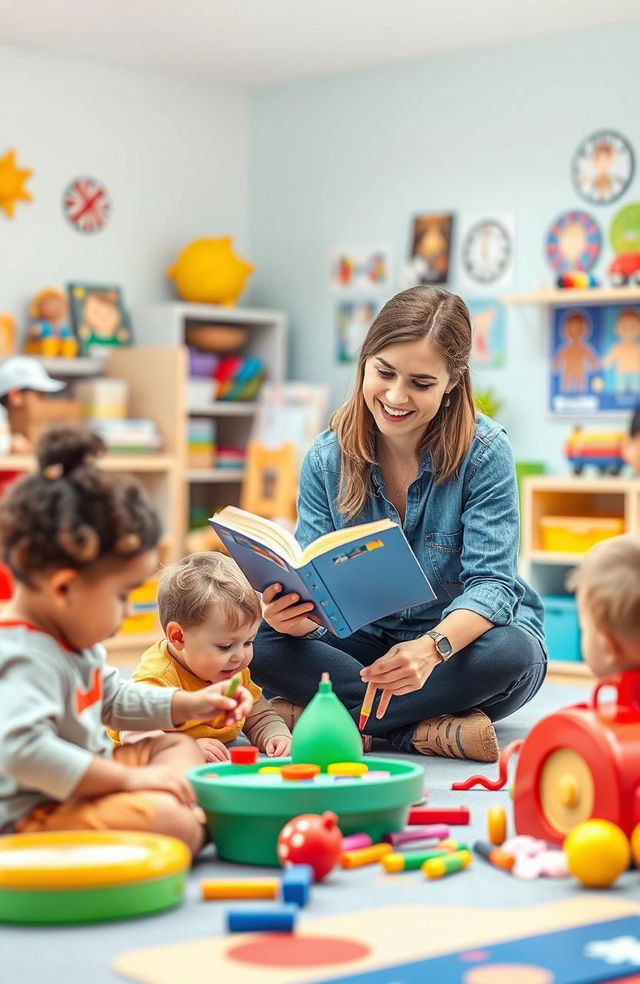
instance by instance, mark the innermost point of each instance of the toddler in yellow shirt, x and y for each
(210, 615)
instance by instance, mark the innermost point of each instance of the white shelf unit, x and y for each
(210, 488)
(573, 496)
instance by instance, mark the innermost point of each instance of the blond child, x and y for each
(607, 586)
(210, 615)
(77, 541)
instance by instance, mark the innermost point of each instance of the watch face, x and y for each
(602, 167)
(486, 251)
(573, 242)
(444, 647)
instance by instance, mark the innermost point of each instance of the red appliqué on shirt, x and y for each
(87, 698)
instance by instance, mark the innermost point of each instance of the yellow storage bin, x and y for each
(144, 608)
(577, 534)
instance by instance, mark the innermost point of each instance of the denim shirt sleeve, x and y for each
(314, 510)
(491, 533)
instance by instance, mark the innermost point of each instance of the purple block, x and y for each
(202, 364)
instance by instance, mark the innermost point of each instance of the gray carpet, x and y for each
(69, 954)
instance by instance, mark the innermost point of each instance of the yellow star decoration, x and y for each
(12, 181)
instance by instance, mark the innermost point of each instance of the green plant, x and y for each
(486, 401)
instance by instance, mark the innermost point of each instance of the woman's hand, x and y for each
(405, 668)
(286, 613)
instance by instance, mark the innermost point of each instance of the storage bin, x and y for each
(561, 627)
(577, 534)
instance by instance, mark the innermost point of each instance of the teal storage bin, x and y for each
(561, 627)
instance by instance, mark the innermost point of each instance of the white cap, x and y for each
(22, 372)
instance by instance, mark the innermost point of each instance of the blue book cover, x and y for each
(353, 576)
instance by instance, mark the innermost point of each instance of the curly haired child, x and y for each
(210, 615)
(77, 540)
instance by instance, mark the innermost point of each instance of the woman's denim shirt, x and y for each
(465, 532)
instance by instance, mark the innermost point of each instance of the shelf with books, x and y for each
(263, 334)
(565, 297)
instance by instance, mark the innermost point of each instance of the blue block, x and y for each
(296, 883)
(271, 918)
(561, 627)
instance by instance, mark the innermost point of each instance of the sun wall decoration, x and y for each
(12, 181)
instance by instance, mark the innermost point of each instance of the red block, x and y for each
(433, 814)
(244, 755)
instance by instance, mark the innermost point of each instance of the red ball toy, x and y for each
(311, 839)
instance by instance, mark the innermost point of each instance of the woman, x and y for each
(408, 445)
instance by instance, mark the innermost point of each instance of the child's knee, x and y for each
(174, 819)
(174, 741)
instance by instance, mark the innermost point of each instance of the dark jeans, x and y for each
(498, 673)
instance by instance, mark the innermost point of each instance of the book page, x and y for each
(279, 540)
(329, 541)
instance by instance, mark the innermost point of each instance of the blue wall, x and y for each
(348, 160)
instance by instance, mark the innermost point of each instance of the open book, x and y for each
(353, 576)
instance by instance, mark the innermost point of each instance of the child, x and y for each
(607, 585)
(631, 447)
(77, 541)
(210, 614)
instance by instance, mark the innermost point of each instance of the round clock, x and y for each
(602, 167)
(486, 251)
(573, 242)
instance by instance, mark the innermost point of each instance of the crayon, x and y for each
(356, 841)
(274, 919)
(495, 855)
(446, 864)
(410, 860)
(367, 704)
(247, 888)
(366, 855)
(435, 831)
(233, 686)
(430, 814)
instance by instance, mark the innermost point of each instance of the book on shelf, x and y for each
(353, 576)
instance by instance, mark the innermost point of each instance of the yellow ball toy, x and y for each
(207, 271)
(597, 852)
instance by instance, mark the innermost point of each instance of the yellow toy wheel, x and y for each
(567, 789)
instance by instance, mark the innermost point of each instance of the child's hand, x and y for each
(278, 746)
(161, 778)
(214, 750)
(210, 703)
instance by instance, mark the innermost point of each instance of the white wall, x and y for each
(349, 160)
(171, 150)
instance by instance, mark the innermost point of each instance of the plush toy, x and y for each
(207, 271)
(50, 333)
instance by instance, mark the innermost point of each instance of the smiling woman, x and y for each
(409, 446)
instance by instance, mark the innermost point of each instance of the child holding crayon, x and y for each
(210, 615)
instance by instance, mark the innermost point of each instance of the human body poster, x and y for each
(594, 360)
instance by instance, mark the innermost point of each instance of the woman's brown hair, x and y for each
(70, 513)
(413, 314)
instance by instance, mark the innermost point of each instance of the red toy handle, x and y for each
(501, 781)
(627, 687)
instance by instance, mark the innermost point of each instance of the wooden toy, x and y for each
(296, 883)
(248, 888)
(351, 769)
(597, 853)
(497, 824)
(601, 448)
(355, 841)
(86, 876)
(311, 839)
(581, 762)
(496, 856)
(430, 814)
(434, 831)
(243, 755)
(325, 732)
(446, 864)
(246, 809)
(267, 919)
(364, 856)
(299, 771)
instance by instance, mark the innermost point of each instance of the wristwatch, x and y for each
(443, 646)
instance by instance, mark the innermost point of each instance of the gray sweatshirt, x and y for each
(54, 702)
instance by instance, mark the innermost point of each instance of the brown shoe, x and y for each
(291, 712)
(288, 712)
(465, 736)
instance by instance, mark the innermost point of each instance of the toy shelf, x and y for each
(224, 408)
(215, 475)
(573, 496)
(565, 297)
